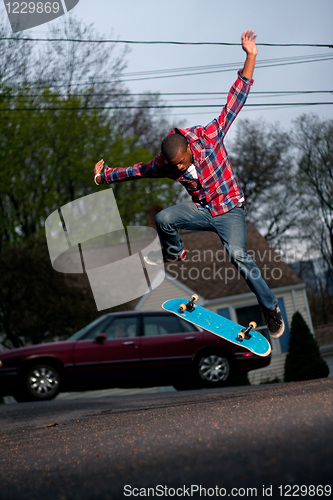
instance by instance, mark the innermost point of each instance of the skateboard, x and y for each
(242, 336)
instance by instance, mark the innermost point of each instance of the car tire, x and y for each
(213, 369)
(40, 382)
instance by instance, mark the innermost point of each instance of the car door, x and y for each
(167, 344)
(109, 357)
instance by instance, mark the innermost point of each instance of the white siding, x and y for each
(288, 304)
(274, 371)
(300, 306)
(167, 290)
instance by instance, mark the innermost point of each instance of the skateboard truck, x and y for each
(245, 333)
(190, 304)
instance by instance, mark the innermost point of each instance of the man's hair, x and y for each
(172, 144)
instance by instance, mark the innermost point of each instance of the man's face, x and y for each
(182, 160)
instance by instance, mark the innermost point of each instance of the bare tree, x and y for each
(15, 57)
(313, 139)
(261, 156)
(94, 72)
(90, 68)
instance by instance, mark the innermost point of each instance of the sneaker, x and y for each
(155, 257)
(274, 321)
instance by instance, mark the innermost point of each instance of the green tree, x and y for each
(303, 361)
(38, 304)
(49, 146)
(46, 157)
(56, 121)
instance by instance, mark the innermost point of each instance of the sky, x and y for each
(285, 21)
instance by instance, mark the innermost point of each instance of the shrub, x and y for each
(303, 361)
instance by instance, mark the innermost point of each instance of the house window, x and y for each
(252, 313)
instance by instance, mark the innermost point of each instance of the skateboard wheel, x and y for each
(182, 307)
(195, 297)
(241, 335)
(253, 324)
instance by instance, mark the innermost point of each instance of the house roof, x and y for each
(208, 271)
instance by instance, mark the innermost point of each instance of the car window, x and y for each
(186, 326)
(164, 324)
(123, 327)
(91, 330)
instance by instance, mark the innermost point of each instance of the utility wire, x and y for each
(230, 65)
(260, 64)
(199, 70)
(278, 93)
(160, 42)
(166, 106)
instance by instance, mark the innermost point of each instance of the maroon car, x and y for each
(128, 349)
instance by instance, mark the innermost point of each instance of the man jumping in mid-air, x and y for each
(196, 157)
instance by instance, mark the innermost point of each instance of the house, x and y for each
(208, 272)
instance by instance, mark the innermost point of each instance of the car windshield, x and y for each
(97, 323)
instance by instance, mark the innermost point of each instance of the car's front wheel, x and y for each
(213, 369)
(40, 382)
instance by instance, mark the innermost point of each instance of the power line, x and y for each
(166, 106)
(199, 70)
(259, 65)
(253, 92)
(160, 42)
(277, 93)
(229, 65)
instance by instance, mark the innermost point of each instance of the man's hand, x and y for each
(249, 42)
(249, 46)
(97, 171)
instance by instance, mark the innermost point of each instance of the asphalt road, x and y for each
(272, 441)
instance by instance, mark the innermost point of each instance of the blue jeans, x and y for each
(231, 228)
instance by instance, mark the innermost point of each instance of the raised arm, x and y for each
(154, 169)
(249, 46)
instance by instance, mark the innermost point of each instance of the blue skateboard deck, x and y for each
(219, 325)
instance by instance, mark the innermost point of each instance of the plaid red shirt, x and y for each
(216, 186)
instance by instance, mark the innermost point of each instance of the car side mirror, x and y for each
(100, 338)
